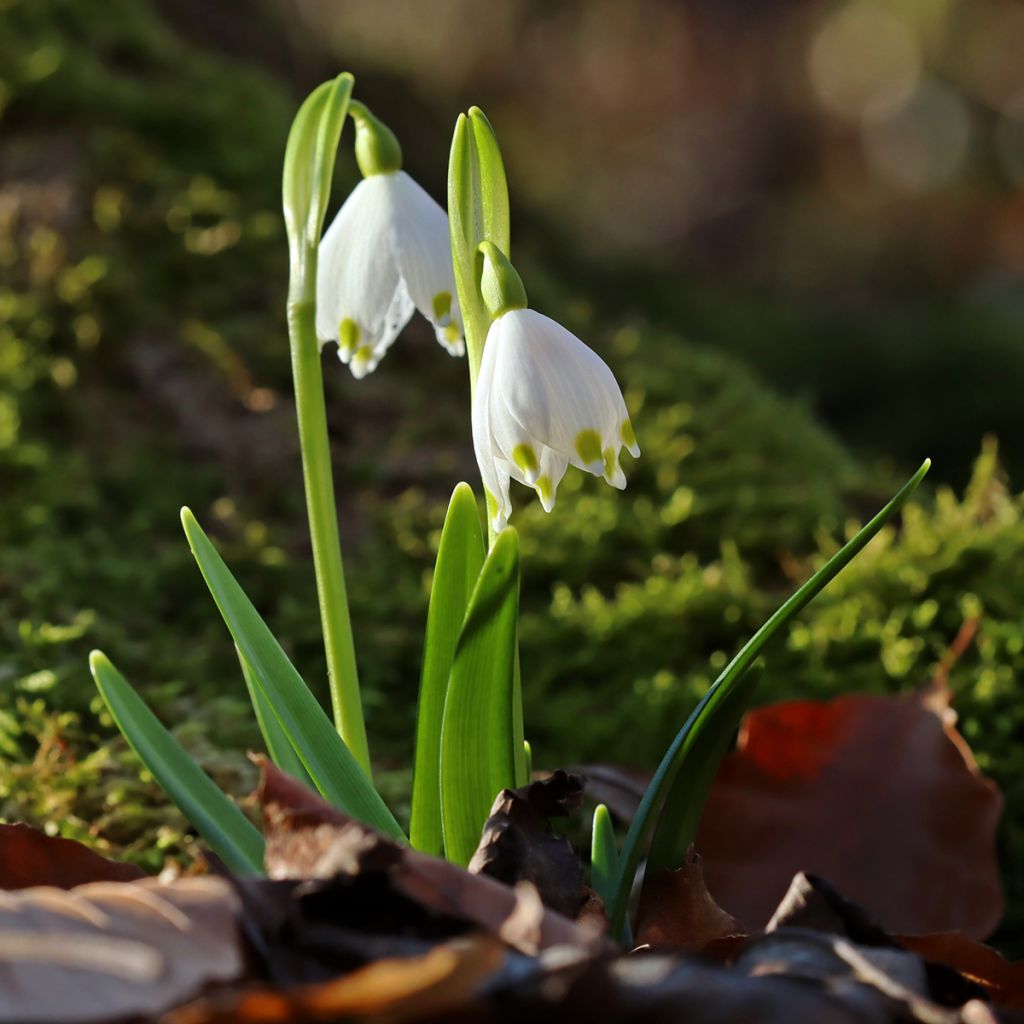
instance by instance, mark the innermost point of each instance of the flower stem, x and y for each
(342, 674)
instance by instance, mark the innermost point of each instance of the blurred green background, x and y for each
(795, 230)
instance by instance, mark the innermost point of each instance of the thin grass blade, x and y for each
(478, 756)
(224, 827)
(460, 557)
(711, 702)
(330, 763)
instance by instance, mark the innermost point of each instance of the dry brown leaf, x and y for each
(30, 857)
(112, 951)
(308, 838)
(519, 845)
(880, 795)
(676, 910)
(396, 989)
(1002, 980)
(619, 788)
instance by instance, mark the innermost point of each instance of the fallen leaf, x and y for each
(879, 795)
(411, 988)
(308, 838)
(29, 857)
(619, 788)
(1002, 980)
(677, 911)
(113, 951)
(519, 845)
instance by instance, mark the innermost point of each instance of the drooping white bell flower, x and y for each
(386, 253)
(543, 400)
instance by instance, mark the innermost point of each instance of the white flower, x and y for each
(387, 252)
(544, 401)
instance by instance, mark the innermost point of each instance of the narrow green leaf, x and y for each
(478, 758)
(330, 763)
(279, 747)
(710, 703)
(230, 834)
(604, 853)
(460, 557)
(604, 860)
(696, 768)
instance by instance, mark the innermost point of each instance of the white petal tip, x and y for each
(634, 450)
(596, 467)
(617, 480)
(547, 503)
(456, 348)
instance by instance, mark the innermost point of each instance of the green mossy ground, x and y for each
(143, 366)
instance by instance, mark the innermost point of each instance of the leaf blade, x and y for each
(478, 759)
(279, 747)
(698, 765)
(227, 830)
(323, 752)
(460, 557)
(653, 798)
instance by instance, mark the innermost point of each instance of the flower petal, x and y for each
(558, 389)
(423, 250)
(493, 469)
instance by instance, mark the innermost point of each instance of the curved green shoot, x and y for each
(711, 703)
(460, 557)
(697, 766)
(228, 831)
(604, 853)
(330, 763)
(478, 756)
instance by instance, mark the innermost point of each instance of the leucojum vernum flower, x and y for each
(542, 401)
(386, 253)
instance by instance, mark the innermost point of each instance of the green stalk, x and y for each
(306, 186)
(310, 408)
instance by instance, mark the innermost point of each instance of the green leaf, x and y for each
(604, 859)
(696, 768)
(227, 830)
(710, 705)
(478, 756)
(309, 164)
(330, 763)
(460, 556)
(604, 853)
(279, 747)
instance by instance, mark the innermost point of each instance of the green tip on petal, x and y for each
(588, 448)
(377, 148)
(442, 304)
(629, 437)
(348, 335)
(501, 287)
(546, 492)
(525, 458)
